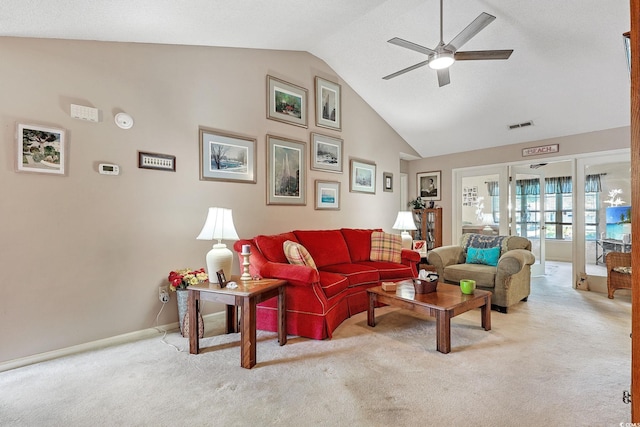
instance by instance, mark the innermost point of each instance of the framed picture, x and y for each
(429, 185)
(286, 175)
(40, 149)
(286, 102)
(227, 157)
(387, 181)
(328, 104)
(326, 153)
(362, 176)
(327, 195)
(156, 161)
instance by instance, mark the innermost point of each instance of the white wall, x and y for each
(82, 256)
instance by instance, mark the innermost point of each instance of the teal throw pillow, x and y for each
(487, 256)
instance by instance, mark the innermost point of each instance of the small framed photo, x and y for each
(286, 174)
(286, 102)
(362, 176)
(387, 181)
(429, 185)
(40, 149)
(420, 246)
(328, 104)
(227, 157)
(222, 280)
(326, 153)
(164, 162)
(327, 195)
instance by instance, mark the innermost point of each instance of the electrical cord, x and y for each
(164, 332)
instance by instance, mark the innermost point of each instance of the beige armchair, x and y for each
(509, 281)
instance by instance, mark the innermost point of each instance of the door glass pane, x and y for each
(607, 199)
(480, 204)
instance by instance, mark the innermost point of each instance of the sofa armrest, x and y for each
(444, 256)
(513, 261)
(300, 275)
(410, 258)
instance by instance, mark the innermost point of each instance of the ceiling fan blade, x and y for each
(472, 29)
(406, 70)
(482, 54)
(443, 77)
(410, 45)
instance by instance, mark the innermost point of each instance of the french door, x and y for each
(527, 209)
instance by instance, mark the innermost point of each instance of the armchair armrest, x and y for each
(444, 256)
(513, 261)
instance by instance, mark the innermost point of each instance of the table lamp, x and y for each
(487, 221)
(404, 222)
(219, 226)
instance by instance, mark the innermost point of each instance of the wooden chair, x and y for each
(618, 271)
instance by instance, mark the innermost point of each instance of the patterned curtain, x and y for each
(592, 184)
(528, 187)
(560, 184)
(493, 188)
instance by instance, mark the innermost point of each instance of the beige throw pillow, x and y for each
(386, 247)
(297, 254)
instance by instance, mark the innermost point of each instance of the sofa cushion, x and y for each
(332, 284)
(358, 242)
(271, 246)
(488, 256)
(297, 254)
(357, 274)
(386, 247)
(484, 275)
(327, 247)
(390, 270)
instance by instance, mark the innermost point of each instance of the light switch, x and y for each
(84, 113)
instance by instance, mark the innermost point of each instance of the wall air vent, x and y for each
(521, 125)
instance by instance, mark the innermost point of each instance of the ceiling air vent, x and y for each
(521, 125)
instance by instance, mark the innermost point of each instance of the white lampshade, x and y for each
(404, 222)
(219, 226)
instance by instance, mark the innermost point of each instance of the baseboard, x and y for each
(96, 345)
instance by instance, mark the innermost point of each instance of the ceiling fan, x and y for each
(444, 55)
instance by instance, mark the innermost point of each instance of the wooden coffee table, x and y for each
(443, 304)
(245, 297)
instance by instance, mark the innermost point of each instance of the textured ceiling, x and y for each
(568, 72)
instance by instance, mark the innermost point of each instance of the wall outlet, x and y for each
(163, 294)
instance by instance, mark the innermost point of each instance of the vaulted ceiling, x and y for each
(568, 73)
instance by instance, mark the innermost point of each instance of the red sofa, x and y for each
(317, 301)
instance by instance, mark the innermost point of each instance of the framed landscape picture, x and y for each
(227, 157)
(362, 176)
(328, 104)
(327, 195)
(286, 102)
(40, 149)
(429, 185)
(286, 175)
(326, 153)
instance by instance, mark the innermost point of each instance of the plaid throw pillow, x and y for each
(386, 247)
(297, 254)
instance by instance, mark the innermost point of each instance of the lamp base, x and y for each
(407, 240)
(219, 258)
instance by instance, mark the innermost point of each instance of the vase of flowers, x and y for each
(178, 282)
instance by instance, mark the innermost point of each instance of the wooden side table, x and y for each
(245, 297)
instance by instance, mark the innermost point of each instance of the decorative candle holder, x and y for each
(245, 264)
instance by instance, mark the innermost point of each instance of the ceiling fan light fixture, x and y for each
(441, 60)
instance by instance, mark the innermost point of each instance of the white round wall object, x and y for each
(124, 121)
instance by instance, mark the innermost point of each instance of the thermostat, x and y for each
(108, 169)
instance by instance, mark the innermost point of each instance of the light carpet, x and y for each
(561, 359)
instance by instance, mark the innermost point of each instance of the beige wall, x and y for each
(82, 256)
(572, 145)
